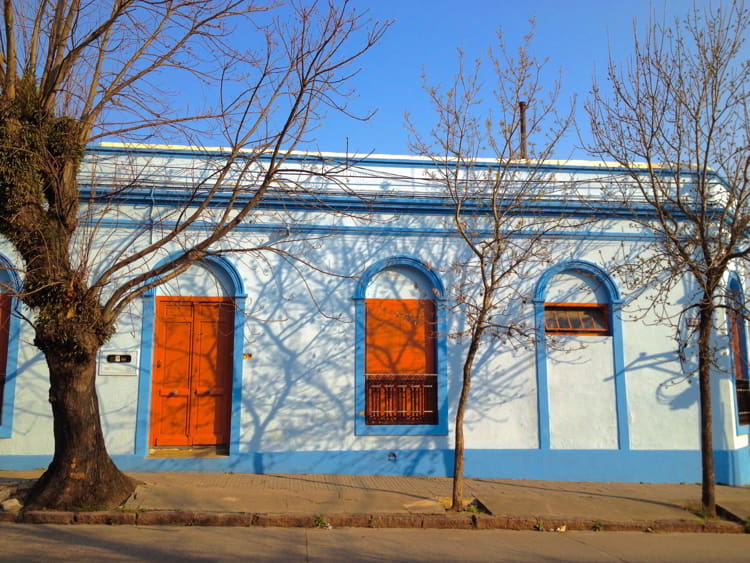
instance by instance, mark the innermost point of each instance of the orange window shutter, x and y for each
(400, 336)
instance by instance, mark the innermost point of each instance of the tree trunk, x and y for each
(81, 476)
(708, 497)
(458, 455)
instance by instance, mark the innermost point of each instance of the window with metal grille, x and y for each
(400, 362)
(576, 318)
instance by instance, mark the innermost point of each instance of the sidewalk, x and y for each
(383, 501)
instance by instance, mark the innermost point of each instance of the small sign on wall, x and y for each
(118, 362)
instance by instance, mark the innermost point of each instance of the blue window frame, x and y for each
(738, 353)
(613, 310)
(9, 284)
(225, 269)
(362, 428)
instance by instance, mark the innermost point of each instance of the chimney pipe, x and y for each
(524, 153)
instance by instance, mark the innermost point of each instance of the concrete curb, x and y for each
(729, 515)
(433, 521)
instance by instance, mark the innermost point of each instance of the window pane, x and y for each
(599, 320)
(550, 318)
(569, 318)
(588, 321)
(563, 319)
(575, 318)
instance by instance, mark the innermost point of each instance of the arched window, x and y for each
(399, 349)
(738, 343)
(578, 298)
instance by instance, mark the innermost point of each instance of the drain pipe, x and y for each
(522, 106)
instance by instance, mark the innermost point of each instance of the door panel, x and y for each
(192, 372)
(170, 420)
(212, 374)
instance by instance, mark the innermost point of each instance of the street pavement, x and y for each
(27, 543)
(394, 501)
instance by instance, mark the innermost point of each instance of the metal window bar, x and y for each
(401, 399)
(743, 400)
(576, 319)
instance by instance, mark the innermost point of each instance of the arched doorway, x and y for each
(191, 374)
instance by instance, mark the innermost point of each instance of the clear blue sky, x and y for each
(575, 35)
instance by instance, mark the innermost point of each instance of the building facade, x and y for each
(342, 353)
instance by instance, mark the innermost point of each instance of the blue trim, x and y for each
(14, 343)
(225, 265)
(385, 231)
(615, 322)
(359, 364)
(360, 426)
(218, 264)
(732, 467)
(396, 202)
(361, 161)
(542, 383)
(406, 261)
(441, 310)
(238, 363)
(152, 186)
(629, 466)
(735, 289)
(143, 413)
(621, 387)
(588, 268)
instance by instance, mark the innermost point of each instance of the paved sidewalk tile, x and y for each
(393, 495)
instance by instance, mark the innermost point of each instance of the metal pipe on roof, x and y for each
(524, 152)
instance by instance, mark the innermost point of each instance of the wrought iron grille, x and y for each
(401, 399)
(743, 400)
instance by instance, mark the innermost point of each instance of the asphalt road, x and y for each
(164, 544)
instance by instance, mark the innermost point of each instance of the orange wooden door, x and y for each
(192, 374)
(211, 384)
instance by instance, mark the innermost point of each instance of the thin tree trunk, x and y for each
(81, 476)
(458, 455)
(704, 377)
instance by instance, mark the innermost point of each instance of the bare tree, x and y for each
(497, 202)
(73, 72)
(680, 105)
